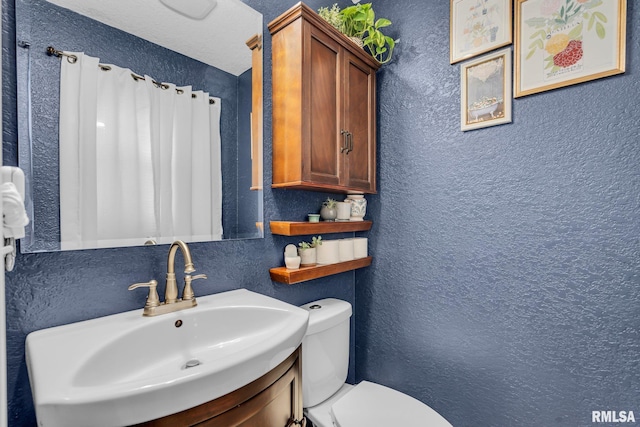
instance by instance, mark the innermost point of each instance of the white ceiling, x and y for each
(218, 40)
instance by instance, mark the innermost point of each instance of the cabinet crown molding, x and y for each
(301, 10)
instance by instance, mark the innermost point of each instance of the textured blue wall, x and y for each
(51, 289)
(505, 286)
(504, 289)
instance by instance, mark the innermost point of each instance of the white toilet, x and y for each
(328, 400)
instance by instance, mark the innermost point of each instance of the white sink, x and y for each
(125, 369)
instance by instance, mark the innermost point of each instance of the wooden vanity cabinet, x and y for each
(273, 400)
(324, 106)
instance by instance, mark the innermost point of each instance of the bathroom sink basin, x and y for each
(125, 369)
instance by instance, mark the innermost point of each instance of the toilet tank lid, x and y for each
(326, 313)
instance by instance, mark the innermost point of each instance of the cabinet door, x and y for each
(359, 120)
(323, 100)
(270, 401)
(273, 407)
(322, 160)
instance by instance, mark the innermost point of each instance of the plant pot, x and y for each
(307, 257)
(358, 41)
(328, 214)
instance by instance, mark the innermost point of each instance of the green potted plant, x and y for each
(359, 23)
(307, 252)
(332, 16)
(329, 210)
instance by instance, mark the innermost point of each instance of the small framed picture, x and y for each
(563, 42)
(478, 26)
(485, 90)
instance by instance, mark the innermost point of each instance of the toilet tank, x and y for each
(325, 350)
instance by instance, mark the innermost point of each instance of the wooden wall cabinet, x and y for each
(273, 400)
(324, 106)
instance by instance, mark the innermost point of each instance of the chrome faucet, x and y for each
(153, 306)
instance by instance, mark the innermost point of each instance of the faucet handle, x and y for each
(153, 300)
(187, 293)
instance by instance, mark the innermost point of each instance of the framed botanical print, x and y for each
(485, 91)
(563, 42)
(478, 26)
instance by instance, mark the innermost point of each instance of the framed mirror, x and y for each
(139, 185)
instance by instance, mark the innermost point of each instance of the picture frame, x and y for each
(478, 26)
(485, 90)
(560, 43)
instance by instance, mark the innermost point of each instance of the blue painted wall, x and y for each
(51, 289)
(505, 286)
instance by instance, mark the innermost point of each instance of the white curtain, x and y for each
(138, 162)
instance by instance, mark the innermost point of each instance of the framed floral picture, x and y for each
(477, 27)
(485, 91)
(563, 42)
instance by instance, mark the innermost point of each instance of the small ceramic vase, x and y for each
(358, 206)
(328, 214)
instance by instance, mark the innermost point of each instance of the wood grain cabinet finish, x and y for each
(324, 106)
(272, 400)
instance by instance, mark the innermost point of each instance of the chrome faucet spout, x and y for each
(171, 288)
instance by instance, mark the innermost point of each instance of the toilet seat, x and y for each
(373, 405)
(320, 414)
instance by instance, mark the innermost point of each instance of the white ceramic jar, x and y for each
(344, 211)
(358, 206)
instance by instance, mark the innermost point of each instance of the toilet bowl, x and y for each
(328, 401)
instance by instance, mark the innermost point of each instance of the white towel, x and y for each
(14, 217)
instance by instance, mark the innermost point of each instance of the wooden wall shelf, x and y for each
(292, 228)
(282, 275)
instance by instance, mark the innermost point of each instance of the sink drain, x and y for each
(191, 364)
